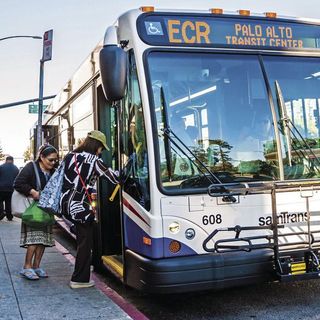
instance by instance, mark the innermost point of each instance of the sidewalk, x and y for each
(49, 298)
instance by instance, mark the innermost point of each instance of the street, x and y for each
(267, 301)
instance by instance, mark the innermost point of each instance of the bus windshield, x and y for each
(217, 108)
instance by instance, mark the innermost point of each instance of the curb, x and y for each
(127, 307)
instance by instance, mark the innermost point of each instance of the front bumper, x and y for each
(201, 272)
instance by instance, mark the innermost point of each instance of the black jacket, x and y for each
(26, 179)
(8, 172)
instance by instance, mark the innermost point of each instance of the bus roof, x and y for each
(220, 11)
(201, 28)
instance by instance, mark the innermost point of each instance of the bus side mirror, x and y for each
(113, 69)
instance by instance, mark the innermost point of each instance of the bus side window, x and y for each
(137, 185)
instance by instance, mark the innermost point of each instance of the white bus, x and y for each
(214, 118)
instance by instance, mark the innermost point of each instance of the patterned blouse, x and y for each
(74, 201)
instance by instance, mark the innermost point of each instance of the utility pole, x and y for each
(40, 105)
(46, 56)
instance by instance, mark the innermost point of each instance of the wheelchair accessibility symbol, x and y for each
(153, 28)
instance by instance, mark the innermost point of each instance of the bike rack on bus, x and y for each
(287, 265)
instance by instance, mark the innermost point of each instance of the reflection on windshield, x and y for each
(217, 104)
(299, 80)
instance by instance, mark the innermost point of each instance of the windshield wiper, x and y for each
(168, 139)
(290, 128)
(212, 189)
(217, 187)
(212, 177)
(284, 120)
(165, 121)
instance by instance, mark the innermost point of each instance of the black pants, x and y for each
(84, 234)
(5, 196)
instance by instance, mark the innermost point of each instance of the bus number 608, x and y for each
(211, 219)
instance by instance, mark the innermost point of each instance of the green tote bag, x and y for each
(33, 216)
(36, 217)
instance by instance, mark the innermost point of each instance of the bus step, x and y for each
(114, 264)
(293, 269)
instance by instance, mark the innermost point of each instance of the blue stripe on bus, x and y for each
(134, 241)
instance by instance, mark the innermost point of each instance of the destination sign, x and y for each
(227, 32)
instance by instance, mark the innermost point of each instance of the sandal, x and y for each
(29, 274)
(41, 273)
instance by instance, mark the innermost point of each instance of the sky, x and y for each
(78, 25)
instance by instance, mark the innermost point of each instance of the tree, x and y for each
(223, 153)
(27, 155)
(2, 155)
(216, 156)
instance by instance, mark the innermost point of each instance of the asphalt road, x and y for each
(269, 301)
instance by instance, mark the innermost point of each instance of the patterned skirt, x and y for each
(33, 236)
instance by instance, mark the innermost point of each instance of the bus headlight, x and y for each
(190, 233)
(174, 227)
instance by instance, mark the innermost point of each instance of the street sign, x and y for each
(47, 45)
(33, 108)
